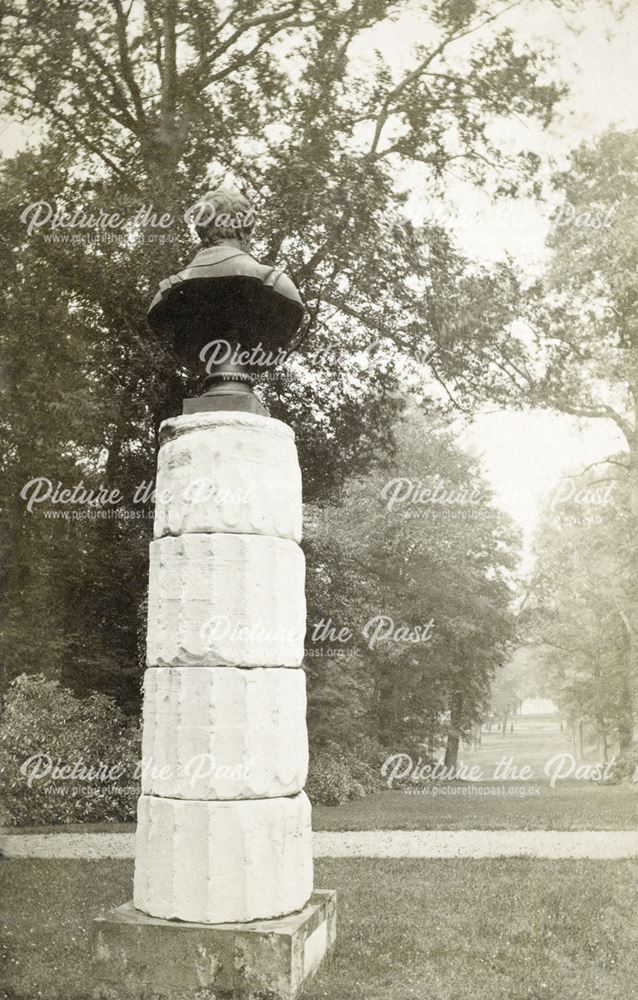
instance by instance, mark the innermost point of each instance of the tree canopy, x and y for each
(141, 106)
(416, 565)
(585, 319)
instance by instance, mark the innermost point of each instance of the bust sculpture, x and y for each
(226, 295)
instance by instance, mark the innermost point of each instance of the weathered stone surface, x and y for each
(216, 862)
(226, 599)
(137, 956)
(224, 733)
(228, 471)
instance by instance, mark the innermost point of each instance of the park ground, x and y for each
(572, 803)
(430, 930)
(471, 929)
(492, 803)
(488, 804)
(571, 807)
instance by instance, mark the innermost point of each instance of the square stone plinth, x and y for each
(137, 957)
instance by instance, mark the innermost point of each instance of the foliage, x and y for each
(43, 726)
(626, 768)
(449, 564)
(136, 107)
(578, 599)
(338, 774)
(329, 780)
(585, 320)
(521, 677)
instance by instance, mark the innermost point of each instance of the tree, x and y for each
(149, 95)
(141, 104)
(416, 544)
(505, 694)
(586, 323)
(576, 606)
(523, 676)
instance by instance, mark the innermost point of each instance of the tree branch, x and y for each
(125, 62)
(116, 95)
(597, 413)
(169, 69)
(414, 74)
(280, 20)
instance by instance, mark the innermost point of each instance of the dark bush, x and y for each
(65, 759)
(338, 773)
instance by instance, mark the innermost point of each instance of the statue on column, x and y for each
(223, 896)
(226, 607)
(226, 304)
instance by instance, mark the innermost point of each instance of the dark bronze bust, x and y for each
(226, 295)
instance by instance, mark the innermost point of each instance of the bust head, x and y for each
(222, 215)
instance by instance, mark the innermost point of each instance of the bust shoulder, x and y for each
(222, 260)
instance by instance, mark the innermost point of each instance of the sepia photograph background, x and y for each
(452, 187)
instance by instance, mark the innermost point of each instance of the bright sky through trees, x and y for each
(594, 51)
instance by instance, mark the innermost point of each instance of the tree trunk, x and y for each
(454, 732)
(628, 731)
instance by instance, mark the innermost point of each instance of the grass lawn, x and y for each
(432, 930)
(534, 743)
(572, 806)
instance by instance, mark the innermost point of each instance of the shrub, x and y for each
(329, 780)
(365, 760)
(338, 774)
(625, 769)
(51, 741)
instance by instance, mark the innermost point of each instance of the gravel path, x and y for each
(91, 846)
(478, 844)
(595, 844)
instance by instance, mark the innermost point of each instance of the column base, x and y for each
(137, 957)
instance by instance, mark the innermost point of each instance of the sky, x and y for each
(525, 454)
(533, 450)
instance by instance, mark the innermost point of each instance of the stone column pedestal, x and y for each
(223, 870)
